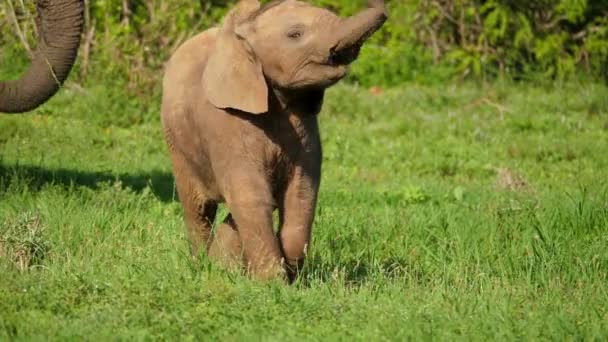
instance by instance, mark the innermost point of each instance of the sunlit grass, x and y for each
(445, 212)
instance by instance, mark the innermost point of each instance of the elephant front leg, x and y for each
(297, 216)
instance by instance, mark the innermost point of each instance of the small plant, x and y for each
(414, 194)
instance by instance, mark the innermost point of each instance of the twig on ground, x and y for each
(485, 100)
(18, 31)
(32, 21)
(88, 39)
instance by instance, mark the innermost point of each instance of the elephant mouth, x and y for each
(344, 56)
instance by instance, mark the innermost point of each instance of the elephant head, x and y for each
(289, 44)
(60, 25)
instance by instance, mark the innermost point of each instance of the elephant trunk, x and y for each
(60, 24)
(355, 30)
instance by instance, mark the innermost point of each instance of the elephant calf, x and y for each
(239, 112)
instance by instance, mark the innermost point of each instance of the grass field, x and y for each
(457, 212)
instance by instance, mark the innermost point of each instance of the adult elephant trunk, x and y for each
(60, 26)
(353, 31)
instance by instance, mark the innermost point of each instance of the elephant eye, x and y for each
(296, 34)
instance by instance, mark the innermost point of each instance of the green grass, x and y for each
(419, 232)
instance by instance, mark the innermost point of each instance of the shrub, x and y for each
(556, 38)
(127, 42)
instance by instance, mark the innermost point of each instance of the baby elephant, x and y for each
(239, 113)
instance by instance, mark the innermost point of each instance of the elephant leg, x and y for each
(251, 207)
(297, 215)
(226, 248)
(199, 210)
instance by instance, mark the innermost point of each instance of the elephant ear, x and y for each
(233, 77)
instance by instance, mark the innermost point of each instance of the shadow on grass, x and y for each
(161, 183)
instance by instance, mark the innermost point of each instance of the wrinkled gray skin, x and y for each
(239, 112)
(59, 25)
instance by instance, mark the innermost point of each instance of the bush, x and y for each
(127, 42)
(556, 38)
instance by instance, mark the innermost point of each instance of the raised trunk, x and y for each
(59, 25)
(356, 29)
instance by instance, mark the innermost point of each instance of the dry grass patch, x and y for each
(22, 242)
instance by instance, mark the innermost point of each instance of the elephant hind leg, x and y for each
(226, 248)
(199, 209)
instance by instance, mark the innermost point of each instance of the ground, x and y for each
(445, 212)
